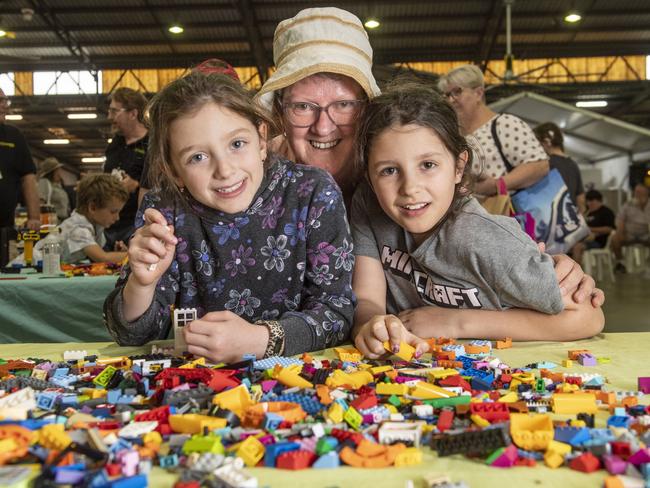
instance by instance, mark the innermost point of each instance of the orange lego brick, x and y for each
(505, 343)
(367, 448)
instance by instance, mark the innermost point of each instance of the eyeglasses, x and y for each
(5, 101)
(115, 111)
(454, 92)
(304, 114)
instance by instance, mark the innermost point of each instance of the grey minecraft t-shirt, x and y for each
(473, 260)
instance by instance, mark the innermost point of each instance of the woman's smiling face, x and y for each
(323, 144)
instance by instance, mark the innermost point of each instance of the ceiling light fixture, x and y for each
(3, 33)
(82, 116)
(592, 104)
(372, 23)
(176, 29)
(14, 117)
(56, 141)
(572, 17)
(99, 159)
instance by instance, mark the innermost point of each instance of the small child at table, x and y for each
(100, 197)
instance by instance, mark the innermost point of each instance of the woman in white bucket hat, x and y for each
(322, 80)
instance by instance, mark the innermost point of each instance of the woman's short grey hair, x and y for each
(465, 76)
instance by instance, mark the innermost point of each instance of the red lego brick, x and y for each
(587, 463)
(455, 380)
(621, 449)
(295, 459)
(113, 469)
(342, 435)
(492, 412)
(445, 419)
(364, 402)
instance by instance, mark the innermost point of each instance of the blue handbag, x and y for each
(558, 222)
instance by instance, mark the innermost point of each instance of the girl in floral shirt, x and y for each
(258, 245)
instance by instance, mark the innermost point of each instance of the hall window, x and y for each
(66, 83)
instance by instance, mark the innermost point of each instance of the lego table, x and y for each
(34, 308)
(629, 359)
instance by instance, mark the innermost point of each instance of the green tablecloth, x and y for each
(38, 309)
(629, 359)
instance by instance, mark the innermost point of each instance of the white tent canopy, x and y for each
(588, 136)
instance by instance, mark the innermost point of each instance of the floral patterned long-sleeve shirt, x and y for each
(288, 257)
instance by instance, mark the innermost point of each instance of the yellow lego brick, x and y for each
(193, 364)
(193, 423)
(380, 369)
(561, 448)
(573, 403)
(567, 363)
(441, 374)
(509, 397)
(355, 380)
(335, 413)
(236, 399)
(391, 408)
(348, 354)
(399, 389)
(478, 420)
(577, 423)
(405, 352)
(423, 390)
(553, 460)
(290, 376)
(153, 437)
(524, 377)
(531, 432)
(53, 436)
(251, 451)
(408, 457)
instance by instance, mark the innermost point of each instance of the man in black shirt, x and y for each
(17, 172)
(125, 158)
(601, 223)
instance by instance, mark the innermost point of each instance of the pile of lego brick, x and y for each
(105, 422)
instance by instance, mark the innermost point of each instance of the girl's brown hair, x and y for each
(186, 96)
(407, 101)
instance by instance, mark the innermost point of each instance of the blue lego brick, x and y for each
(572, 435)
(619, 421)
(46, 400)
(326, 461)
(60, 372)
(272, 421)
(274, 450)
(269, 363)
(308, 403)
(138, 481)
(600, 436)
(64, 380)
(466, 360)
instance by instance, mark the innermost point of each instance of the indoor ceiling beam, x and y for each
(50, 18)
(247, 13)
(490, 34)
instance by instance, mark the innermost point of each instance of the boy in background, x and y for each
(100, 197)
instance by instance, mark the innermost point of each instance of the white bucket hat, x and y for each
(319, 40)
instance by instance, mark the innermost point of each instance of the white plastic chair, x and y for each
(600, 260)
(636, 257)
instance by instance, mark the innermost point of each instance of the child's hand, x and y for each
(225, 337)
(152, 244)
(381, 328)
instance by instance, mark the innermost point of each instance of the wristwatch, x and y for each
(275, 346)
